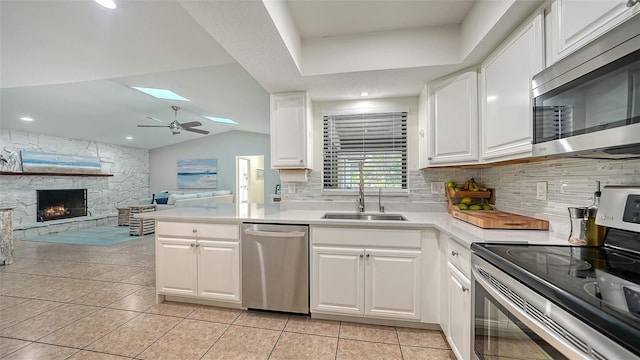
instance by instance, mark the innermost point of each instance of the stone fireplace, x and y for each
(61, 204)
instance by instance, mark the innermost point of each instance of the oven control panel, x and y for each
(620, 207)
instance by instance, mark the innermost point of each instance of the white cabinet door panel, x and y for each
(453, 119)
(338, 280)
(575, 23)
(176, 267)
(505, 83)
(459, 313)
(392, 283)
(289, 131)
(219, 270)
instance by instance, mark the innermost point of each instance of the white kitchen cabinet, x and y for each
(459, 336)
(574, 23)
(291, 131)
(338, 280)
(176, 267)
(373, 273)
(392, 283)
(455, 299)
(505, 93)
(449, 125)
(198, 261)
(371, 282)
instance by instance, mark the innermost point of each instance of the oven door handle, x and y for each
(559, 343)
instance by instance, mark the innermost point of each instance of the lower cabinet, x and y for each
(197, 264)
(366, 273)
(458, 290)
(382, 283)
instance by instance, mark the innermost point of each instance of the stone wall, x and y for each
(129, 183)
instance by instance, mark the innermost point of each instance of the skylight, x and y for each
(221, 120)
(161, 93)
(109, 4)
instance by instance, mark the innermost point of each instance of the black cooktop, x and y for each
(598, 285)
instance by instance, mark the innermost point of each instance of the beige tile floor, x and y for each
(90, 302)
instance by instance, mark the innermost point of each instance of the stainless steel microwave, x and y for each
(588, 104)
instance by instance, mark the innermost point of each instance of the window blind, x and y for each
(378, 140)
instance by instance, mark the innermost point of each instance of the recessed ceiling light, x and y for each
(364, 93)
(491, 98)
(109, 4)
(26, 118)
(161, 93)
(129, 138)
(221, 120)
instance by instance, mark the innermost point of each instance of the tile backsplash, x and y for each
(570, 182)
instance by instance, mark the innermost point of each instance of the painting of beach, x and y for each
(33, 161)
(198, 174)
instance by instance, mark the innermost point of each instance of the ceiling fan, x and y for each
(177, 127)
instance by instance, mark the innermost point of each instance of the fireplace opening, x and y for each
(61, 204)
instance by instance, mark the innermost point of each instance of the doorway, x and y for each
(250, 179)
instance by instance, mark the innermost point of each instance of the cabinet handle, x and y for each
(301, 161)
(429, 158)
(194, 231)
(192, 245)
(368, 255)
(465, 289)
(361, 256)
(454, 253)
(197, 245)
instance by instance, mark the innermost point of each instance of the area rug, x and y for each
(97, 236)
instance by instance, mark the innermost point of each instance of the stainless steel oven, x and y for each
(561, 301)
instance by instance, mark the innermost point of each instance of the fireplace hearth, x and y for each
(61, 204)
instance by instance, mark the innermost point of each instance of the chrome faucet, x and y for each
(380, 207)
(360, 200)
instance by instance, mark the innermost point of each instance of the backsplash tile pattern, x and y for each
(570, 182)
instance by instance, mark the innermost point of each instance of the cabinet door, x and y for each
(176, 267)
(392, 283)
(289, 131)
(337, 280)
(505, 83)
(574, 23)
(459, 313)
(219, 270)
(453, 120)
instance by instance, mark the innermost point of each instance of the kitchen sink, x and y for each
(364, 216)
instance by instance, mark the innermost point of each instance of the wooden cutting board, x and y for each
(500, 220)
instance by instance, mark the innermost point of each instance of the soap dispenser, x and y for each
(595, 232)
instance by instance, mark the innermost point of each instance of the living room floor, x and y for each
(90, 302)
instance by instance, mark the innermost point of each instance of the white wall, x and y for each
(224, 147)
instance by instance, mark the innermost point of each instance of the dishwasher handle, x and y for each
(278, 234)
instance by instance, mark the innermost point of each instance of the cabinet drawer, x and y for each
(365, 237)
(459, 256)
(193, 230)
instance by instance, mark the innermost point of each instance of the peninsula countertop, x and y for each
(461, 231)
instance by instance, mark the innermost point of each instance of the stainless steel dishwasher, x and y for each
(275, 267)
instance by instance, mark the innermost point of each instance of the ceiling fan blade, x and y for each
(191, 124)
(204, 132)
(164, 126)
(154, 119)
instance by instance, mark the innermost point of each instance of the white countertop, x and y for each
(461, 231)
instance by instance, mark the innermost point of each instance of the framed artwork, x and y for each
(198, 174)
(33, 161)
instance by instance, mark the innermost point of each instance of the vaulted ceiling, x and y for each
(69, 64)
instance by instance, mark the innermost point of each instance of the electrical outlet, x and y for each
(541, 190)
(291, 188)
(437, 187)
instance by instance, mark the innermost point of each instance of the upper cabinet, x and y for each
(448, 121)
(291, 126)
(505, 93)
(574, 23)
